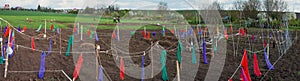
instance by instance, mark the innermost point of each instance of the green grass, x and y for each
(18, 18)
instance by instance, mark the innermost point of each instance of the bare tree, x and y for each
(251, 8)
(238, 5)
(275, 9)
(162, 8)
(217, 5)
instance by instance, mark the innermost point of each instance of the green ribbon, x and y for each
(215, 47)
(1, 60)
(69, 45)
(39, 28)
(179, 48)
(163, 33)
(194, 60)
(164, 68)
(132, 33)
(91, 35)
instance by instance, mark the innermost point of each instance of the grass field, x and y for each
(63, 20)
(18, 18)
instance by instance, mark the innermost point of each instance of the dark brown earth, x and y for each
(286, 69)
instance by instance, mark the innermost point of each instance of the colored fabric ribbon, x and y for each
(245, 65)
(24, 29)
(153, 34)
(253, 37)
(122, 69)
(164, 68)
(270, 66)
(214, 44)
(194, 60)
(74, 28)
(182, 30)
(225, 33)
(40, 27)
(265, 43)
(132, 33)
(57, 31)
(50, 46)
(199, 31)
(4, 30)
(149, 35)
(114, 36)
(77, 67)
(191, 32)
(144, 34)
(42, 66)
(96, 37)
(91, 35)
(88, 32)
(183, 35)
(255, 65)
(179, 48)
(243, 75)
(230, 79)
(12, 48)
(51, 27)
(100, 74)
(1, 60)
(19, 28)
(163, 31)
(7, 32)
(117, 34)
(11, 43)
(70, 42)
(204, 52)
(172, 31)
(143, 72)
(32, 44)
(242, 32)
(53, 30)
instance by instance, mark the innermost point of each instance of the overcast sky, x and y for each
(294, 5)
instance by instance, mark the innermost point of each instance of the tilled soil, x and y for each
(26, 60)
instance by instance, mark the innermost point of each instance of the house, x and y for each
(6, 6)
(297, 16)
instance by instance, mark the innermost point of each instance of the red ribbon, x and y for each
(245, 65)
(256, 67)
(32, 44)
(51, 27)
(77, 67)
(7, 31)
(24, 29)
(122, 69)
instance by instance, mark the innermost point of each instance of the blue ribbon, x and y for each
(100, 74)
(204, 52)
(143, 63)
(42, 67)
(96, 37)
(270, 66)
(50, 46)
